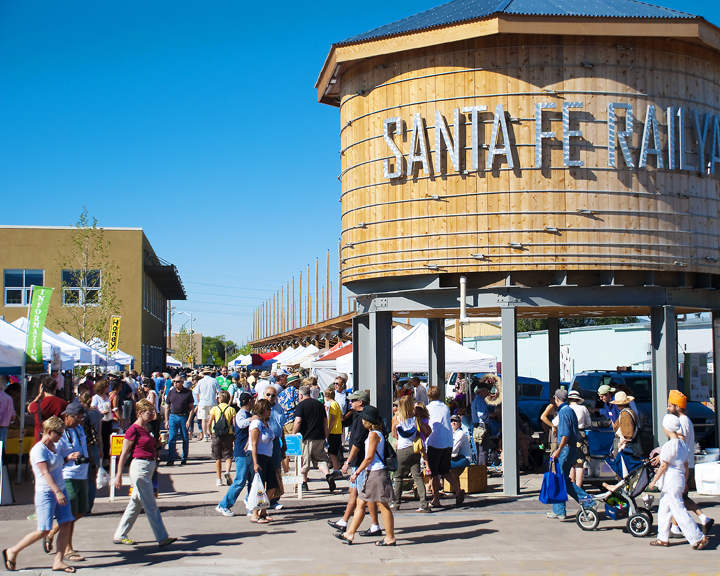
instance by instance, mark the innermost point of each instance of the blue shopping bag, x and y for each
(553, 490)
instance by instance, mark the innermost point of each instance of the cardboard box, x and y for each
(473, 479)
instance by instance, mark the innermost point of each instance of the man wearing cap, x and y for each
(223, 380)
(311, 421)
(566, 453)
(205, 394)
(243, 458)
(677, 405)
(289, 399)
(358, 434)
(179, 406)
(72, 446)
(604, 405)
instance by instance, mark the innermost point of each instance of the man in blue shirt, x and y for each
(566, 452)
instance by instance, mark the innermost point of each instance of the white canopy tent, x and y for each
(240, 361)
(96, 358)
(410, 354)
(301, 358)
(170, 361)
(13, 336)
(11, 357)
(301, 352)
(118, 358)
(81, 355)
(287, 353)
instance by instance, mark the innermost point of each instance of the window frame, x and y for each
(24, 289)
(82, 292)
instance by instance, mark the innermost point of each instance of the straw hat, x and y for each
(574, 396)
(622, 399)
(264, 374)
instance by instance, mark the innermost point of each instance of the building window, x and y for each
(18, 283)
(81, 287)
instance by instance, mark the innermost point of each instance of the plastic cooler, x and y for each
(707, 478)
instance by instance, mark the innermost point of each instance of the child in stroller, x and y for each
(620, 498)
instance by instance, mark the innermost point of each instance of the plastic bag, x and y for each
(553, 490)
(257, 498)
(103, 478)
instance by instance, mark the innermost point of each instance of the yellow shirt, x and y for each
(334, 410)
(229, 414)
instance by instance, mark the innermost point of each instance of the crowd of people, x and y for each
(246, 417)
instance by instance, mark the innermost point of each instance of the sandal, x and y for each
(701, 544)
(48, 544)
(259, 521)
(9, 564)
(68, 569)
(659, 543)
(341, 536)
(74, 556)
(124, 540)
(383, 543)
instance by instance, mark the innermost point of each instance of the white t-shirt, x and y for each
(409, 425)
(687, 430)
(441, 436)
(461, 444)
(264, 385)
(265, 440)
(55, 463)
(583, 415)
(101, 404)
(675, 453)
(421, 394)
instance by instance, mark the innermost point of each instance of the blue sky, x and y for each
(197, 121)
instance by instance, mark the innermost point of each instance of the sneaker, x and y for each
(207, 439)
(183, 462)
(224, 511)
(276, 506)
(228, 479)
(331, 482)
(305, 486)
(677, 535)
(167, 542)
(170, 463)
(707, 526)
(555, 516)
(337, 474)
(219, 482)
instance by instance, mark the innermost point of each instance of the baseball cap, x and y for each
(605, 389)
(245, 398)
(74, 408)
(561, 394)
(359, 395)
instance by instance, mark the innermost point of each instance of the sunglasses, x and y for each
(270, 395)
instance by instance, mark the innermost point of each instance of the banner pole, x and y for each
(23, 401)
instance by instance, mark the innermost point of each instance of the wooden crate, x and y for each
(473, 479)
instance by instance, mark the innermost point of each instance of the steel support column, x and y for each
(511, 477)
(372, 359)
(436, 354)
(716, 372)
(554, 354)
(663, 328)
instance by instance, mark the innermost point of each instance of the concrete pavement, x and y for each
(488, 535)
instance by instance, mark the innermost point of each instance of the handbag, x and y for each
(257, 497)
(418, 445)
(553, 490)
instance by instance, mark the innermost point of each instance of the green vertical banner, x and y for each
(39, 306)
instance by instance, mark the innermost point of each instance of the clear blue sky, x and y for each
(197, 121)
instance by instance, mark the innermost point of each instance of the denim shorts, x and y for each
(47, 508)
(359, 481)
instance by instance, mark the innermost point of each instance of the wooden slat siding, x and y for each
(650, 64)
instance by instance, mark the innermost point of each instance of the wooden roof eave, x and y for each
(696, 30)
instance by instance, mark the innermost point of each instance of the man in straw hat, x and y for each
(677, 405)
(627, 437)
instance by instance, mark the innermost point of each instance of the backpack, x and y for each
(222, 428)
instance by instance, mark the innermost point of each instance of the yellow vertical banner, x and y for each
(114, 336)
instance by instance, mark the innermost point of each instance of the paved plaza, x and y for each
(490, 534)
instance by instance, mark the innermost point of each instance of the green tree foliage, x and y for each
(89, 281)
(536, 325)
(185, 350)
(216, 349)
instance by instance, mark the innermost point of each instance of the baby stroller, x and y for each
(620, 499)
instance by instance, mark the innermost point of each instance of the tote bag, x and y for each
(553, 489)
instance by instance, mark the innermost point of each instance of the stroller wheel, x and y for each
(647, 513)
(587, 519)
(640, 524)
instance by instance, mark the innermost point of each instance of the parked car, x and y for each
(533, 396)
(588, 382)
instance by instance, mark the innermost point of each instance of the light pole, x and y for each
(192, 337)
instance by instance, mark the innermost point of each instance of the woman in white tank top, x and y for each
(377, 487)
(405, 429)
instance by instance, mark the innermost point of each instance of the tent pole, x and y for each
(23, 402)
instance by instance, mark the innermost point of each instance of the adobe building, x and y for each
(147, 283)
(522, 159)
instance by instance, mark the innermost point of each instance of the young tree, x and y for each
(89, 280)
(185, 348)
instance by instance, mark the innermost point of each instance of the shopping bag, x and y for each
(257, 498)
(553, 490)
(103, 478)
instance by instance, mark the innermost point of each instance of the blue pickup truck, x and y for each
(533, 397)
(588, 382)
